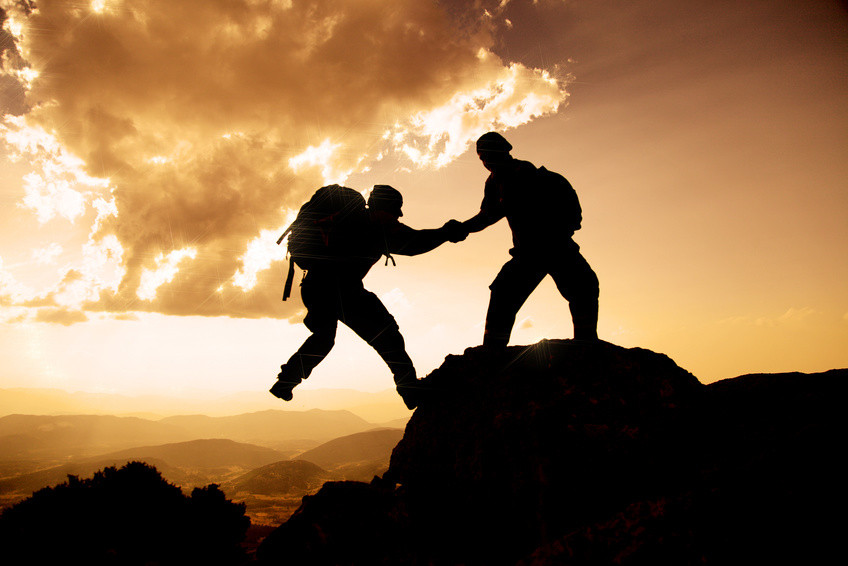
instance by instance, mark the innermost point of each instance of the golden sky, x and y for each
(152, 151)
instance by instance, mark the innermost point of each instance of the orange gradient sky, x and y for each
(152, 151)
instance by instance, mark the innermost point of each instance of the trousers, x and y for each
(519, 277)
(332, 299)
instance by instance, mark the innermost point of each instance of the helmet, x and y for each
(493, 141)
(384, 197)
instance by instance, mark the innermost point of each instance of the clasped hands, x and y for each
(455, 230)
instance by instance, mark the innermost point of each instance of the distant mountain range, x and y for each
(39, 437)
(75, 436)
(42, 451)
(382, 407)
(272, 428)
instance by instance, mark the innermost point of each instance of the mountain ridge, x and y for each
(60, 437)
(280, 478)
(360, 446)
(204, 453)
(378, 407)
(271, 426)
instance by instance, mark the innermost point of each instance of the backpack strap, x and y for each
(289, 279)
(286, 233)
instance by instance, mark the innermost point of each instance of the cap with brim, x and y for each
(493, 141)
(385, 197)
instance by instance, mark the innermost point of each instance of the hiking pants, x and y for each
(329, 300)
(520, 276)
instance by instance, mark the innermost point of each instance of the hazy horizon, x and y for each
(376, 407)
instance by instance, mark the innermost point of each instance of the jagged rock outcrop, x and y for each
(587, 453)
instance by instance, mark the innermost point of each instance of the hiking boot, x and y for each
(283, 390)
(410, 399)
(413, 394)
(285, 384)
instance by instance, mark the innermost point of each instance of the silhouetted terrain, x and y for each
(124, 516)
(587, 453)
(188, 464)
(271, 493)
(358, 456)
(40, 451)
(16, 488)
(558, 453)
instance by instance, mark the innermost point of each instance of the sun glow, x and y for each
(321, 156)
(261, 252)
(167, 267)
(58, 184)
(13, 25)
(514, 96)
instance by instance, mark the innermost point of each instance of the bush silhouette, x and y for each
(129, 515)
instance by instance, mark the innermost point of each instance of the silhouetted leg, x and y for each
(315, 348)
(577, 282)
(366, 315)
(321, 300)
(370, 320)
(515, 282)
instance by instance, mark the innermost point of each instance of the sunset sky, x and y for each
(152, 151)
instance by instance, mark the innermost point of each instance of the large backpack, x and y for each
(560, 198)
(325, 228)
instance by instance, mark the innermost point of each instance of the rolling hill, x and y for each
(289, 477)
(215, 453)
(272, 428)
(58, 438)
(355, 448)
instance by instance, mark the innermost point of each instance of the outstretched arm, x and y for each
(404, 240)
(481, 220)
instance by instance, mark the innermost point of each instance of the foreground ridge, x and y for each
(569, 452)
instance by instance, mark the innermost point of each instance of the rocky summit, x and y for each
(568, 452)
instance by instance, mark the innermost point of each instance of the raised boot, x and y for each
(286, 381)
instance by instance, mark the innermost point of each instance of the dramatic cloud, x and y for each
(180, 135)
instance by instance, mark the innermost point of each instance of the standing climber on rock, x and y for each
(332, 289)
(543, 212)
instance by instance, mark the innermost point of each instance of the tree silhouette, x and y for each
(129, 515)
